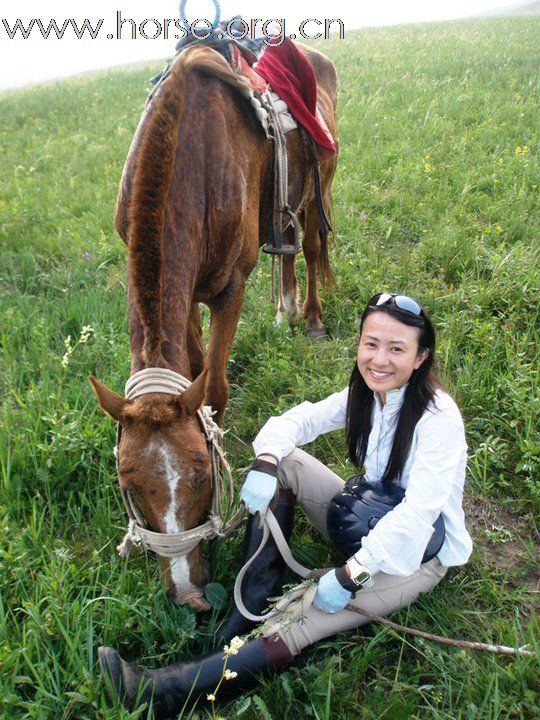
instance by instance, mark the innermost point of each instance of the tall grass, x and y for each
(437, 196)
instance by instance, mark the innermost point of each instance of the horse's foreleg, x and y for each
(195, 345)
(312, 250)
(224, 314)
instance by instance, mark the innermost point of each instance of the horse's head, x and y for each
(165, 466)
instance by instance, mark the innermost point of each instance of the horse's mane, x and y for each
(204, 59)
(152, 175)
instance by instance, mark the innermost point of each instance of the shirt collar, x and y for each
(394, 399)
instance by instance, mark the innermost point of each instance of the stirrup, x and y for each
(277, 247)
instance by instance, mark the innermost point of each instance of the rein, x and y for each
(291, 606)
(172, 545)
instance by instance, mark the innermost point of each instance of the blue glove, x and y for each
(331, 596)
(259, 488)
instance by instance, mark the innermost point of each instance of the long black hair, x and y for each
(419, 392)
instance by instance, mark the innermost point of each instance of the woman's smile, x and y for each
(379, 374)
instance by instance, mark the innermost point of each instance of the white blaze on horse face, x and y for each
(179, 566)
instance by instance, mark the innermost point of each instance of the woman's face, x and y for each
(388, 353)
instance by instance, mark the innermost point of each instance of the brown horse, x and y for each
(193, 202)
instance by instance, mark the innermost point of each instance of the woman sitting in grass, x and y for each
(406, 432)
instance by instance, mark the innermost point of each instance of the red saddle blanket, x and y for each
(288, 73)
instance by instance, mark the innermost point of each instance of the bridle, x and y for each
(173, 545)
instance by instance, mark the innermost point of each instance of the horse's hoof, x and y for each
(317, 334)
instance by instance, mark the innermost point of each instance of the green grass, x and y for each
(436, 195)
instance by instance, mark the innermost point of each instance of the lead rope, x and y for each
(292, 605)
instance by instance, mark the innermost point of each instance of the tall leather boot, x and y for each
(264, 577)
(172, 687)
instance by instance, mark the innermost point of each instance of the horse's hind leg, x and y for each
(289, 305)
(312, 248)
(195, 345)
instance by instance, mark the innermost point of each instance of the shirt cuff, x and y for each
(363, 557)
(272, 450)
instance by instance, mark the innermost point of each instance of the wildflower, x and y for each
(86, 255)
(521, 150)
(230, 674)
(86, 331)
(69, 350)
(211, 697)
(427, 167)
(234, 647)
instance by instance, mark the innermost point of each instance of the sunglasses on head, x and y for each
(402, 302)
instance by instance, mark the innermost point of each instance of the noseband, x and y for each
(172, 545)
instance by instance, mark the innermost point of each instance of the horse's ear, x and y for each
(192, 398)
(111, 402)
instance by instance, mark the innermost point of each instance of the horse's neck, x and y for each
(173, 346)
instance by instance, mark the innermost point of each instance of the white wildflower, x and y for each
(69, 350)
(230, 674)
(234, 647)
(86, 331)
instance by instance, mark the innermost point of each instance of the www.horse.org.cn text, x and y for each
(273, 30)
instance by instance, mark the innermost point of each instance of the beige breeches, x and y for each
(314, 486)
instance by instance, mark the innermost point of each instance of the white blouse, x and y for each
(433, 475)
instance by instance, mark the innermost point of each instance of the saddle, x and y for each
(276, 120)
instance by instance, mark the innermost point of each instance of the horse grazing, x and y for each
(194, 198)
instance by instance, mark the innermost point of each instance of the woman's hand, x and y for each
(331, 596)
(260, 487)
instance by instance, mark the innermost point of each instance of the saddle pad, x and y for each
(288, 73)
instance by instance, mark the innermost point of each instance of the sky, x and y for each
(37, 59)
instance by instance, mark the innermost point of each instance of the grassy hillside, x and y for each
(436, 196)
(526, 8)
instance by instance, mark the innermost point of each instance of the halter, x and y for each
(172, 545)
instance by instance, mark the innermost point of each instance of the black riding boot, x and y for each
(264, 576)
(170, 688)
